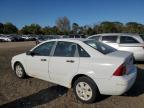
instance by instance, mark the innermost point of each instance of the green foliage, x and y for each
(63, 27)
(1, 28)
(31, 29)
(9, 28)
(75, 28)
(133, 27)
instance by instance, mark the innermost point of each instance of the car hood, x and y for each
(19, 56)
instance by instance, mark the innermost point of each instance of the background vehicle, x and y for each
(6, 38)
(122, 41)
(42, 38)
(74, 36)
(28, 37)
(17, 38)
(89, 67)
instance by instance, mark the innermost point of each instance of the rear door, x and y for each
(64, 62)
(130, 44)
(110, 40)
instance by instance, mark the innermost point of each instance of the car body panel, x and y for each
(136, 48)
(99, 67)
(38, 66)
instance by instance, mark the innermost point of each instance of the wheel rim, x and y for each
(19, 71)
(84, 91)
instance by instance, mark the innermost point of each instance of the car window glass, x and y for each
(77, 36)
(111, 39)
(44, 49)
(82, 52)
(126, 39)
(99, 46)
(71, 36)
(65, 49)
(95, 37)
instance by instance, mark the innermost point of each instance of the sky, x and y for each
(83, 12)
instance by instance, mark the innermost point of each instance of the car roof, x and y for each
(134, 35)
(69, 39)
(107, 34)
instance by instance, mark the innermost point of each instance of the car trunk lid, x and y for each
(128, 60)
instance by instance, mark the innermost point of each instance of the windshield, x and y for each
(101, 47)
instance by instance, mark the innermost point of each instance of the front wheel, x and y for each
(19, 70)
(86, 90)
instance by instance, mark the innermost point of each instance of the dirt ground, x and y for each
(31, 92)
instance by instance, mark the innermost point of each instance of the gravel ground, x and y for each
(31, 92)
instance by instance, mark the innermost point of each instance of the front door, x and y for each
(38, 63)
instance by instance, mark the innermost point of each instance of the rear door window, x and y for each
(127, 40)
(109, 39)
(65, 49)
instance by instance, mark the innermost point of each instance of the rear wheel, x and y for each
(86, 90)
(19, 70)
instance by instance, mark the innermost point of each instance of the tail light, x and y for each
(120, 71)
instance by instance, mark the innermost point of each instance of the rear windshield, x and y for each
(101, 47)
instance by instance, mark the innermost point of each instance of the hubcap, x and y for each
(19, 71)
(84, 91)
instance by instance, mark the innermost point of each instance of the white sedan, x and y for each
(88, 66)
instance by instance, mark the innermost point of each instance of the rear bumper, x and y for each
(118, 85)
(139, 55)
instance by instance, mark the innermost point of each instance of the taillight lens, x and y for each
(120, 71)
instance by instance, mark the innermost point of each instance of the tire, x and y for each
(86, 90)
(19, 71)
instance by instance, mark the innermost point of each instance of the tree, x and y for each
(97, 29)
(108, 27)
(47, 30)
(1, 28)
(63, 24)
(75, 28)
(133, 27)
(32, 29)
(9, 28)
(90, 31)
(119, 26)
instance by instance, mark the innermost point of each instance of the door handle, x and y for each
(43, 60)
(70, 61)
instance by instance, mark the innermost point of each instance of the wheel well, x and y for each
(76, 77)
(16, 63)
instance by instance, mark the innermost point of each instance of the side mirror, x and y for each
(30, 53)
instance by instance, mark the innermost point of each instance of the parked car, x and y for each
(1, 40)
(45, 37)
(6, 38)
(28, 38)
(122, 41)
(88, 66)
(74, 36)
(17, 38)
